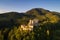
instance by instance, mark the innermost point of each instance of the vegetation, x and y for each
(48, 27)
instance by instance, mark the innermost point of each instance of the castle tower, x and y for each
(30, 22)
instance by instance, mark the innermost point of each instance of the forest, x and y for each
(48, 27)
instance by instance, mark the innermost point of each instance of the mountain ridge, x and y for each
(39, 13)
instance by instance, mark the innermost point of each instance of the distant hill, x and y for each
(39, 13)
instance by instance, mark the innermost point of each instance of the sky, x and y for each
(25, 5)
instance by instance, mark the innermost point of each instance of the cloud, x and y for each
(3, 11)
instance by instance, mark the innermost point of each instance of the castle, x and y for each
(30, 25)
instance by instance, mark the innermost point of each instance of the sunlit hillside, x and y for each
(35, 24)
